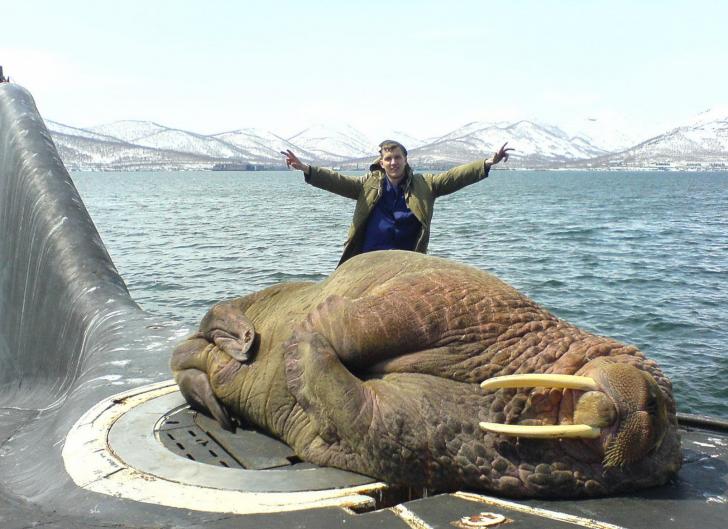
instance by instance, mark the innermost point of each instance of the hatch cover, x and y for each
(148, 445)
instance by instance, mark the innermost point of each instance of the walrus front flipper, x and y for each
(338, 403)
(197, 391)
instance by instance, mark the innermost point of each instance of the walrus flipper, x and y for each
(334, 399)
(197, 391)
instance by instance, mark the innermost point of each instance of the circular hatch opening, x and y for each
(148, 445)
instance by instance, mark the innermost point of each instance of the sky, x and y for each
(422, 67)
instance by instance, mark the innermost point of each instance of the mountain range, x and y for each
(700, 144)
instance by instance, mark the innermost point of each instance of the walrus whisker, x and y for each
(583, 431)
(540, 380)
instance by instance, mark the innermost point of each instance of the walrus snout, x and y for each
(619, 406)
(641, 421)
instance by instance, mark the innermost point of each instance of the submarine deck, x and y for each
(75, 349)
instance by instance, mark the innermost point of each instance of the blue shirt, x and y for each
(391, 225)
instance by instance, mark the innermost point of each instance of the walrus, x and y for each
(422, 371)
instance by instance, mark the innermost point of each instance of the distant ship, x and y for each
(232, 166)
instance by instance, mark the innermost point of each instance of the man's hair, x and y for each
(390, 145)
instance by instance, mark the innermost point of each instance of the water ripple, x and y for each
(641, 257)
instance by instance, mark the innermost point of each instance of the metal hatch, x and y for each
(147, 445)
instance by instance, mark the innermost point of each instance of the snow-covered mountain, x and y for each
(701, 143)
(128, 145)
(709, 130)
(410, 142)
(139, 145)
(182, 141)
(128, 130)
(261, 144)
(609, 133)
(60, 128)
(333, 143)
(83, 153)
(536, 145)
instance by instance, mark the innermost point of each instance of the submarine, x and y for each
(94, 432)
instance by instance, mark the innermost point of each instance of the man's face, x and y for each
(393, 162)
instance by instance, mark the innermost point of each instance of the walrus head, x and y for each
(618, 410)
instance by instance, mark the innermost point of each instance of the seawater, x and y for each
(638, 256)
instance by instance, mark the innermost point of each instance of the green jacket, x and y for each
(420, 192)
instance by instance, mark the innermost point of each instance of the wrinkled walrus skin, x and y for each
(378, 368)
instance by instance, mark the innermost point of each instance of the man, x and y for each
(394, 205)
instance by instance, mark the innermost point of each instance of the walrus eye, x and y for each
(651, 407)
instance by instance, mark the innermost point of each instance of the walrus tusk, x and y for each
(541, 381)
(583, 431)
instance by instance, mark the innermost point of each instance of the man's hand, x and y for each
(293, 161)
(502, 154)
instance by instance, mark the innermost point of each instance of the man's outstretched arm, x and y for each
(467, 174)
(326, 179)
